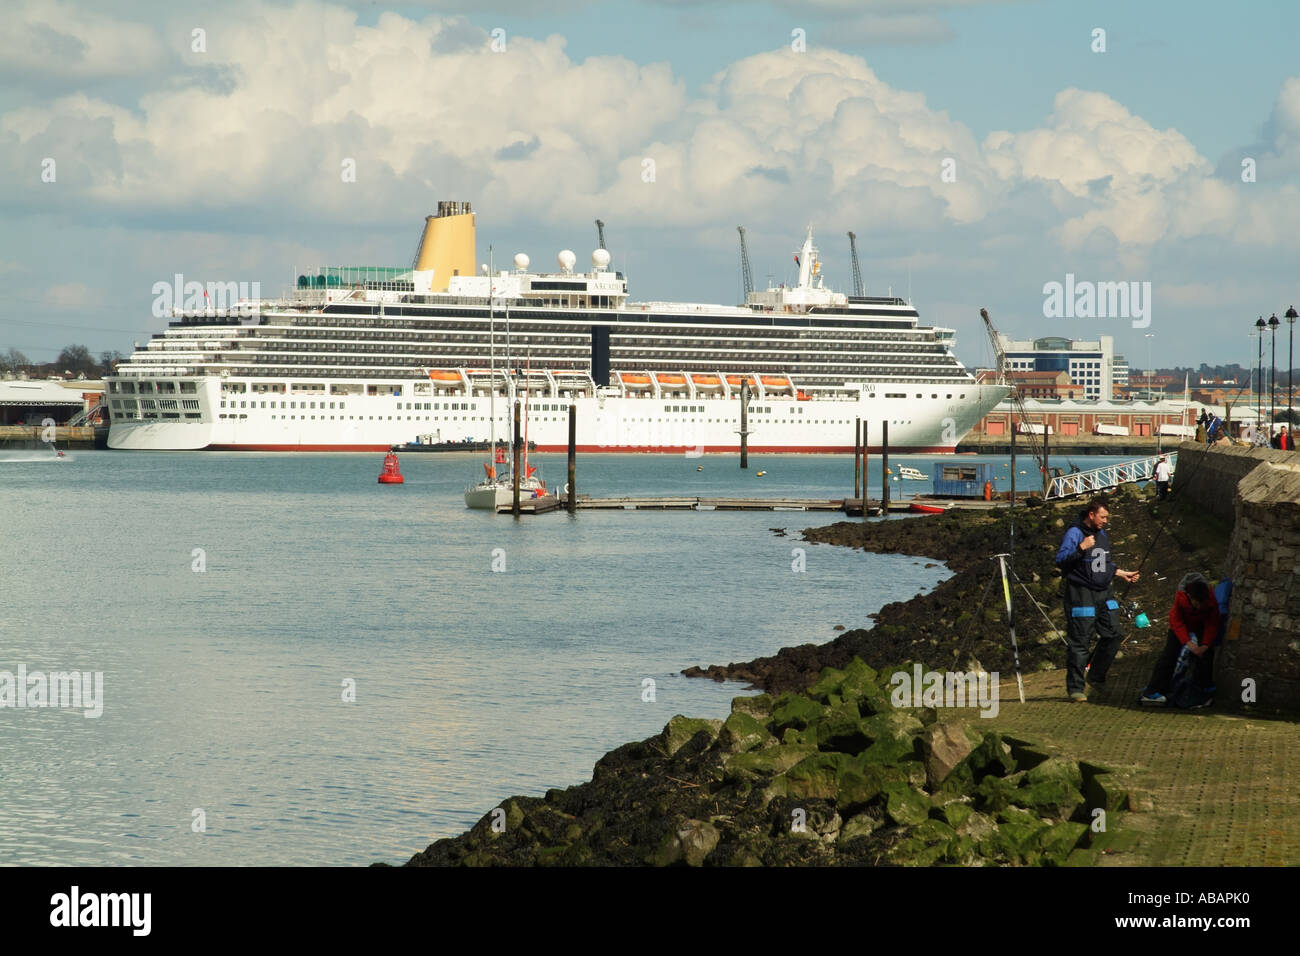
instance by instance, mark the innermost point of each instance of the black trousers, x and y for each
(1162, 489)
(1089, 613)
(1163, 672)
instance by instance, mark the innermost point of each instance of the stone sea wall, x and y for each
(1207, 476)
(1262, 640)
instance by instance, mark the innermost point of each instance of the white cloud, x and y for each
(50, 37)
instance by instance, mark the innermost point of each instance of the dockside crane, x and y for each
(859, 289)
(746, 274)
(1036, 448)
(600, 229)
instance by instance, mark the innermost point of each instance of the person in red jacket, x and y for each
(1193, 622)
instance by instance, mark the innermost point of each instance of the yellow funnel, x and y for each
(447, 246)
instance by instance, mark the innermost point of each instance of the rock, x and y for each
(906, 806)
(794, 711)
(770, 760)
(861, 825)
(1054, 769)
(841, 730)
(689, 843)
(1054, 798)
(813, 778)
(894, 736)
(758, 707)
(680, 730)
(741, 732)
(944, 746)
(1057, 842)
(956, 814)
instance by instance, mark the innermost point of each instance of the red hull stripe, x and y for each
(634, 449)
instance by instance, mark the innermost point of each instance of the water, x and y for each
(224, 689)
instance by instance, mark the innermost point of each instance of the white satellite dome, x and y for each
(600, 259)
(521, 261)
(566, 259)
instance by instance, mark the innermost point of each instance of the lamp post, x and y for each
(1259, 381)
(1273, 323)
(1291, 316)
(1149, 336)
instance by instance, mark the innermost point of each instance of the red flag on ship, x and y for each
(796, 258)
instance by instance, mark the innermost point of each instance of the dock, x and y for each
(848, 506)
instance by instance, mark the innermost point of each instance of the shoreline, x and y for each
(798, 746)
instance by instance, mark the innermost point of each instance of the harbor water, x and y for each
(302, 666)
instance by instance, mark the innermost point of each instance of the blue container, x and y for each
(964, 480)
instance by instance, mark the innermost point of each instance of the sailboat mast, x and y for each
(492, 357)
(528, 374)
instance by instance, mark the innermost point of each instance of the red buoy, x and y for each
(392, 474)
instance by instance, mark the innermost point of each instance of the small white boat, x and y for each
(912, 474)
(490, 494)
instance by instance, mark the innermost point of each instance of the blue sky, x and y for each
(223, 164)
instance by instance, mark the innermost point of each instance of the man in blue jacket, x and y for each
(1085, 563)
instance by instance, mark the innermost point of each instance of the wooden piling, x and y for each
(884, 469)
(865, 429)
(514, 510)
(573, 459)
(857, 457)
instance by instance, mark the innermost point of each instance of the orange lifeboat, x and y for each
(671, 379)
(708, 382)
(737, 379)
(392, 474)
(636, 381)
(438, 376)
(775, 381)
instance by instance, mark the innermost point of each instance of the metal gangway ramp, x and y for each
(1107, 477)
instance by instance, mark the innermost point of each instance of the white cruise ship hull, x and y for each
(927, 420)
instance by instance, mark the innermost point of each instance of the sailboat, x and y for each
(497, 487)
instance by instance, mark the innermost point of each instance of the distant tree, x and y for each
(75, 358)
(108, 360)
(13, 360)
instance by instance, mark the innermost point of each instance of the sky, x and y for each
(979, 150)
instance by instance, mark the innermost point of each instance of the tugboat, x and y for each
(392, 474)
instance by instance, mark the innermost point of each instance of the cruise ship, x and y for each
(365, 358)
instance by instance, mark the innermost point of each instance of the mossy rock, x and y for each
(827, 684)
(1059, 841)
(906, 806)
(894, 736)
(859, 681)
(741, 732)
(934, 831)
(841, 730)
(795, 712)
(1054, 798)
(860, 783)
(758, 707)
(814, 777)
(860, 826)
(955, 813)
(1052, 769)
(769, 760)
(680, 730)
(994, 794)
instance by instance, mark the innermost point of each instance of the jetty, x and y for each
(848, 506)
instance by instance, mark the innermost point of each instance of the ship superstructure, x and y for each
(362, 358)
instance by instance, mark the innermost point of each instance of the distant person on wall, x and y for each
(1285, 441)
(1085, 563)
(1276, 440)
(1194, 626)
(1163, 474)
